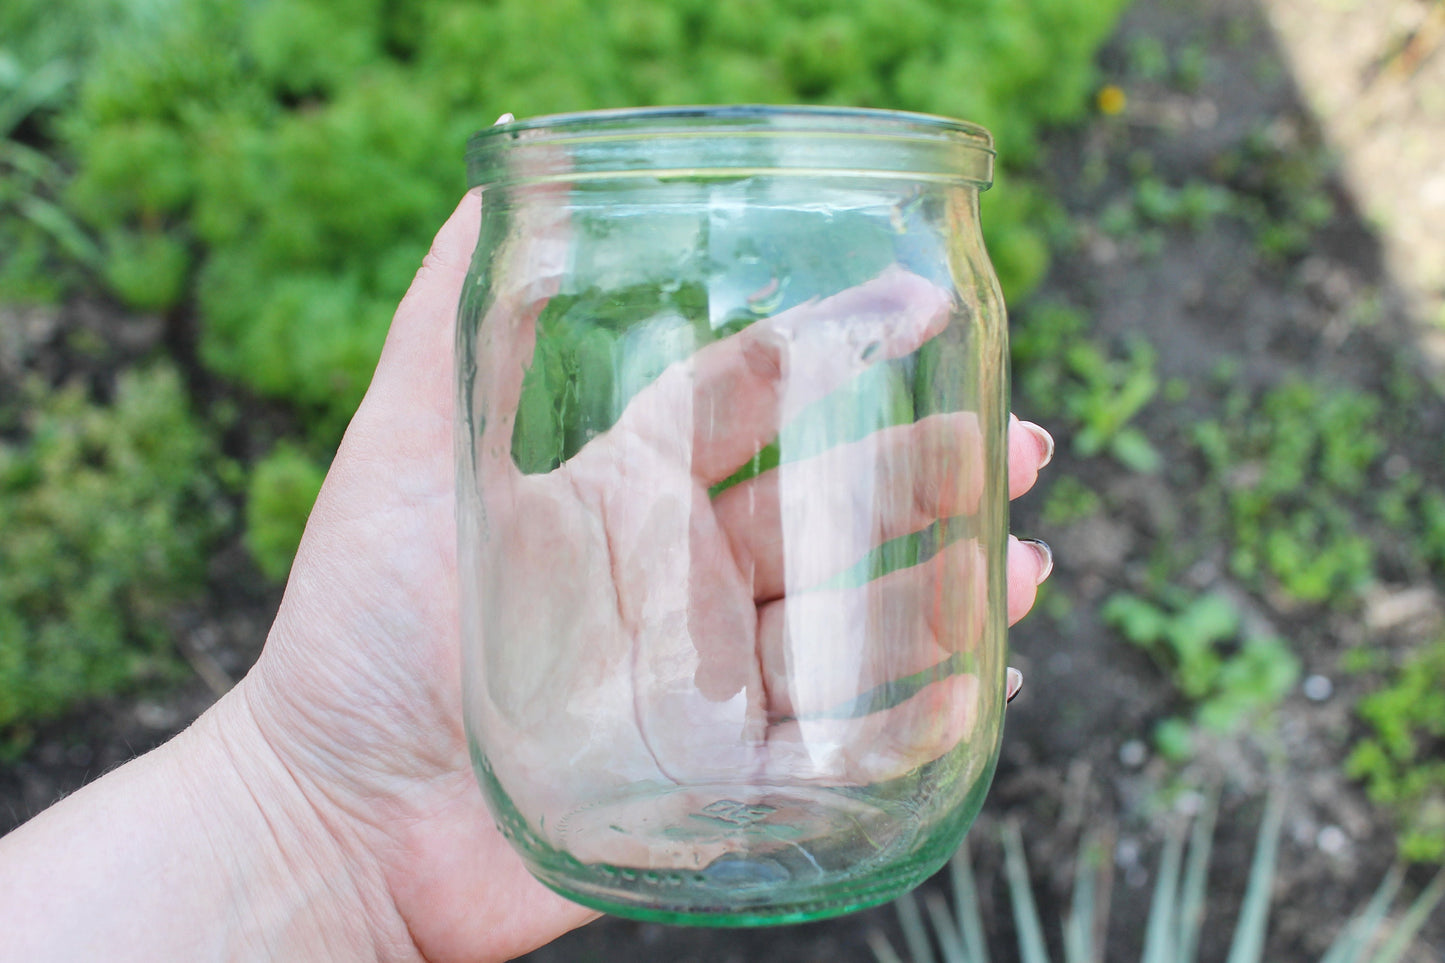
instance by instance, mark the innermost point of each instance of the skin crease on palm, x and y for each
(358, 691)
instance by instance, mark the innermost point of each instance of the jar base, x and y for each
(721, 856)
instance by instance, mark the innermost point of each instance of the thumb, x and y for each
(414, 372)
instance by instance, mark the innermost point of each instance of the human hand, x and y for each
(357, 696)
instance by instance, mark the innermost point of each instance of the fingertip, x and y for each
(1031, 447)
(1030, 561)
(1043, 440)
(1044, 555)
(1014, 682)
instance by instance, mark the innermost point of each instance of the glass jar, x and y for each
(732, 504)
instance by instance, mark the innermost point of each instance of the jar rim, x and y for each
(727, 140)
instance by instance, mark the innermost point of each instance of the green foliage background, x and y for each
(286, 163)
(107, 513)
(273, 171)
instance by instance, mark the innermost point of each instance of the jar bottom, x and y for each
(751, 856)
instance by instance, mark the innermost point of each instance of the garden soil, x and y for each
(1077, 753)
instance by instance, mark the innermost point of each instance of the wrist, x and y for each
(295, 880)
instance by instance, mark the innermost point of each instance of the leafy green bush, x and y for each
(282, 489)
(1400, 760)
(284, 163)
(107, 514)
(306, 150)
(41, 246)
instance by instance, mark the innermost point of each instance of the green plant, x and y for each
(1176, 908)
(1153, 205)
(282, 164)
(1400, 759)
(1289, 466)
(1065, 373)
(1069, 500)
(1230, 678)
(1148, 58)
(37, 236)
(281, 491)
(1416, 513)
(299, 148)
(1281, 181)
(108, 512)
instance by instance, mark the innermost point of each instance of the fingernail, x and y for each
(1014, 684)
(1046, 556)
(1045, 439)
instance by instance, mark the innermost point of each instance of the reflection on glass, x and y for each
(732, 507)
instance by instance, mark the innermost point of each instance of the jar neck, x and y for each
(707, 143)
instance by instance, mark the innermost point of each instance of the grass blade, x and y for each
(965, 903)
(945, 929)
(1160, 934)
(883, 950)
(915, 934)
(1350, 945)
(62, 227)
(1079, 925)
(1411, 922)
(1032, 948)
(1196, 874)
(45, 87)
(1248, 943)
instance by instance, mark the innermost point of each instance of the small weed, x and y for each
(1230, 678)
(1289, 468)
(1148, 58)
(1402, 759)
(1141, 218)
(1283, 189)
(1069, 500)
(1191, 66)
(1068, 375)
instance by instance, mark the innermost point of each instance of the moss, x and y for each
(108, 512)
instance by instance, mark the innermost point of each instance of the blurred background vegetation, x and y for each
(266, 177)
(242, 190)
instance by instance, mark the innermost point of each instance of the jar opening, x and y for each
(731, 141)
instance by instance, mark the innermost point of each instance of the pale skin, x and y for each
(325, 808)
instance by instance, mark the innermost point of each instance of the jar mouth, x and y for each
(717, 142)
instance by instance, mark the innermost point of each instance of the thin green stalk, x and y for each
(1196, 873)
(1160, 935)
(945, 929)
(915, 934)
(1411, 922)
(1249, 932)
(1032, 948)
(1354, 939)
(1079, 926)
(965, 902)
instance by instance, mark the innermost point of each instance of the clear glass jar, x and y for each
(732, 502)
